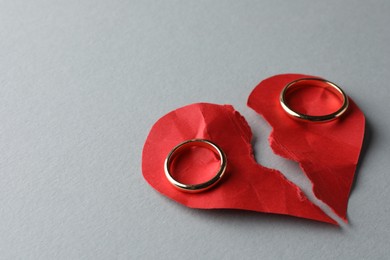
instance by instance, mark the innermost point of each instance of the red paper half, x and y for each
(247, 185)
(327, 152)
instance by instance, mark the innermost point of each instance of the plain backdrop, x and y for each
(82, 82)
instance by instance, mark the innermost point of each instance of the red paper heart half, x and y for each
(246, 184)
(328, 153)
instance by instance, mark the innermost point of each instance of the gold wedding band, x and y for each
(321, 118)
(201, 186)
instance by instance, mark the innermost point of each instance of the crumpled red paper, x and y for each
(247, 185)
(327, 152)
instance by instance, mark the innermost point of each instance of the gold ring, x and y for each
(201, 186)
(321, 118)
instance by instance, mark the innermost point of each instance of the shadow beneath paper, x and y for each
(253, 219)
(367, 142)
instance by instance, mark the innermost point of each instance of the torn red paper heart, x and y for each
(247, 185)
(327, 152)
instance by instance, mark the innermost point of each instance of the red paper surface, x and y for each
(327, 152)
(247, 185)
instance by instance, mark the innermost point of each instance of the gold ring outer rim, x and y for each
(194, 188)
(321, 118)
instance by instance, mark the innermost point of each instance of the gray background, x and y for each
(82, 82)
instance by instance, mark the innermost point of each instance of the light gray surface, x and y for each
(82, 82)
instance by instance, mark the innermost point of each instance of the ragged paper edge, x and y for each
(282, 151)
